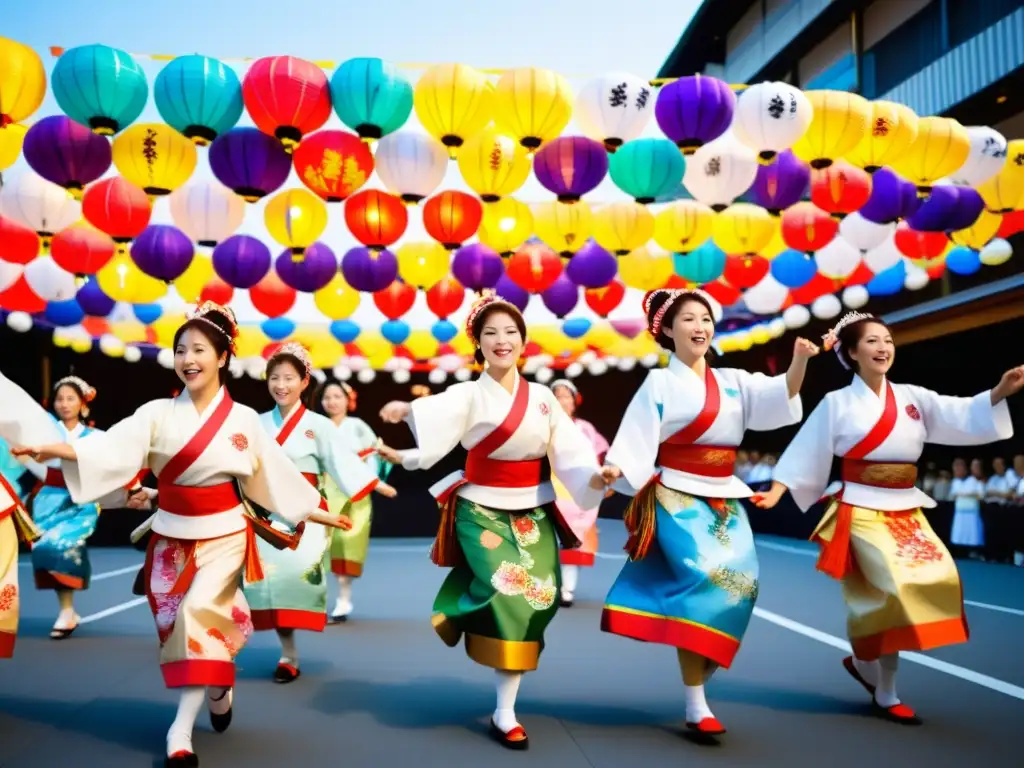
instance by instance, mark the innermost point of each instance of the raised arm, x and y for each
(352, 475)
(984, 418)
(634, 451)
(438, 422)
(23, 421)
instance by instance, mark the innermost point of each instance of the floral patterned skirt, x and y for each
(8, 586)
(503, 595)
(904, 591)
(202, 618)
(697, 585)
(293, 592)
(60, 558)
(348, 548)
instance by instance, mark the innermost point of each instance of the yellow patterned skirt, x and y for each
(8, 586)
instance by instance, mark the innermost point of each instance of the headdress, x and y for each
(88, 392)
(570, 386)
(831, 339)
(204, 309)
(674, 294)
(297, 351)
(487, 299)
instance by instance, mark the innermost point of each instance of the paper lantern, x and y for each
(207, 211)
(570, 167)
(333, 164)
(312, 272)
(562, 226)
(163, 252)
(892, 128)
(840, 189)
(622, 227)
(271, 296)
(645, 269)
(721, 171)
(154, 157)
(805, 227)
(410, 164)
(22, 82)
(837, 259)
(531, 104)
(534, 267)
(286, 97)
(337, 301)
(477, 266)
(506, 225)
(647, 169)
(66, 153)
(940, 149)
(32, 201)
(840, 122)
(561, 297)
(421, 264)
(683, 226)
(985, 157)
(743, 228)
(118, 208)
(862, 233)
(99, 86)
(369, 270)
(395, 300)
(614, 108)
(694, 111)
(199, 97)
(1004, 192)
(780, 183)
(493, 164)
(445, 297)
(18, 243)
(771, 117)
(250, 163)
(371, 97)
(451, 218)
(376, 219)
(701, 265)
(591, 266)
(241, 261)
(453, 102)
(295, 218)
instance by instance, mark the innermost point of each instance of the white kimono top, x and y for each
(468, 412)
(23, 421)
(843, 419)
(240, 451)
(362, 439)
(671, 398)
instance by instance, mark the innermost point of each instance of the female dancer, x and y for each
(294, 593)
(573, 559)
(900, 584)
(498, 522)
(692, 577)
(201, 446)
(348, 547)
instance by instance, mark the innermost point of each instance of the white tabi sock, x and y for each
(570, 578)
(66, 618)
(869, 670)
(179, 737)
(219, 699)
(343, 606)
(696, 705)
(289, 653)
(885, 694)
(508, 688)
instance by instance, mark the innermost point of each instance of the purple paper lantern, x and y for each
(241, 261)
(969, 206)
(66, 153)
(781, 184)
(249, 162)
(512, 293)
(892, 198)
(163, 252)
(315, 270)
(592, 266)
(561, 298)
(936, 210)
(571, 166)
(695, 110)
(369, 270)
(93, 300)
(477, 267)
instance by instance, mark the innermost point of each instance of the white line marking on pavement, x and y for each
(991, 607)
(111, 611)
(118, 572)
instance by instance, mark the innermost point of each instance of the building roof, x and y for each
(703, 39)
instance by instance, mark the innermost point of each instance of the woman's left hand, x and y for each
(1010, 384)
(805, 349)
(344, 522)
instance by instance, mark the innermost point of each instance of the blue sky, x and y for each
(576, 38)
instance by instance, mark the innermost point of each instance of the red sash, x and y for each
(836, 559)
(289, 426)
(54, 478)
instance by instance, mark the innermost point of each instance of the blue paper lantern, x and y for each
(444, 331)
(199, 97)
(93, 301)
(277, 328)
(64, 312)
(371, 97)
(963, 261)
(147, 314)
(647, 169)
(395, 331)
(99, 86)
(345, 331)
(888, 282)
(701, 265)
(575, 327)
(793, 269)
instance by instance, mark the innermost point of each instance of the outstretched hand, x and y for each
(394, 412)
(805, 349)
(386, 490)
(1010, 384)
(769, 498)
(344, 522)
(610, 473)
(389, 454)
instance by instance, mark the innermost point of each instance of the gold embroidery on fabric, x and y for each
(719, 457)
(888, 474)
(740, 586)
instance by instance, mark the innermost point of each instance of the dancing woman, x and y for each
(572, 560)
(293, 593)
(498, 522)
(901, 586)
(202, 447)
(692, 575)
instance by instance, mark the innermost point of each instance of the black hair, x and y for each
(306, 398)
(665, 341)
(322, 390)
(850, 335)
(216, 327)
(478, 324)
(83, 410)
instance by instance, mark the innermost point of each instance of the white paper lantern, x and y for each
(411, 164)
(826, 307)
(401, 376)
(38, 204)
(917, 278)
(573, 370)
(864, 234)
(597, 368)
(207, 211)
(437, 376)
(997, 252)
(111, 346)
(9, 274)
(796, 316)
(627, 363)
(165, 358)
(366, 375)
(356, 363)
(767, 297)
(720, 171)
(777, 327)
(883, 256)
(463, 374)
(342, 372)
(985, 159)
(855, 296)
(586, 358)
(319, 375)
(838, 259)
(48, 281)
(20, 322)
(650, 360)
(771, 117)
(134, 354)
(450, 363)
(544, 375)
(614, 108)
(256, 367)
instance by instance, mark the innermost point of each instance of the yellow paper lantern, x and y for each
(375, 348)
(461, 344)
(775, 246)
(155, 157)
(532, 104)
(839, 124)
(684, 226)
(1004, 192)
(421, 344)
(645, 269)
(11, 139)
(941, 147)
(892, 128)
(121, 280)
(452, 102)
(194, 279)
(251, 341)
(980, 232)
(602, 336)
(563, 227)
(81, 345)
(623, 227)
(760, 334)
(506, 225)
(493, 164)
(744, 228)
(165, 327)
(22, 81)
(422, 263)
(337, 300)
(129, 332)
(295, 218)
(555, 343)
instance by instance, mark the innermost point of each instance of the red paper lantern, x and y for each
(452, 218)
(18, 244)
(376, 219)
(445, 297)
(333, 164)
(840, 189)
(604, 300)
(1013, 222)
(97, 326)
(217, 291)
(20, 298)
(936, 269)
(920, 245)
(534, 267)
(862, 275)
(271, 296)
(81, 250)
(118, 208)
(807, 228)
(286, 97)
(814, 288)
(395, 300)
(722, 292)
(745, 271)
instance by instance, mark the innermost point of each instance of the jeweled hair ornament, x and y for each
(297, 351)
(87, 390)
(831, 339)
(204, 309)
(674, 294)
(487, 298)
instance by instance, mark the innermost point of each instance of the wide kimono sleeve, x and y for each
(438, 422)
(597, 441)
(110, 461)
(276, 484)
(635, 447)
(117, 498)
(572, 457)
(367, 443)
(350, 473)
(963, 420)
(766, 401)
(805, 465)
(23, 421)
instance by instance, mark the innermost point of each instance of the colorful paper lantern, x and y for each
(333, 164)
(604, 300)
(118, 208)
(840, 189)
(840, 122)
(683, 226)
(207, 211)
(693, 111)
(249, 163)
(570, 167)
(411, 164)
(154, 157)
(493, 164)
(781, 183)
(805, 227)
(892, 129)
(99, 86)
(453, 102)
(561, 297)
(451, 218)
(591, 266)
(477, 266)
(199, 97)
(506, 225)
(295, 219)
(271, 296)
(940, 149)
(369, 270)
(534, 267)
(532, 105)
(287, 97)
(647, 169)
(395, 300)
(771, 117)
(66, 153)
(371, 97)
(565, 227)
(314, 271)
(623, 227)
(22, 82)
(376, 219)
(241, 261)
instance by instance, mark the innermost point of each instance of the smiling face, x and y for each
(692, 329)
(286, 384)
(334, 401)
(501, 340)
(875, 351)
(566, 399)
(67, 404)
(196, 361)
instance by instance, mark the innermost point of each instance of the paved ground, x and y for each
(382, 690)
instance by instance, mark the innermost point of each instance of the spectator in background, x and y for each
(999, 489)
(966, 492)
(760, 476)
(940, 491)
(1016, 473)
(926, 482)
(743, 465)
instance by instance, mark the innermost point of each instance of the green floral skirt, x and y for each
(348, 548)
(503, 595)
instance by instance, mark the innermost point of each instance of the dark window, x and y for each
(968, 18)
(905, 51)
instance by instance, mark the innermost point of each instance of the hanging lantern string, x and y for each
(326, 64)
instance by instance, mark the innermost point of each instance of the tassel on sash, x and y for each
(640, 520)
(24, 526)
(446, 552)
(253, 564)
